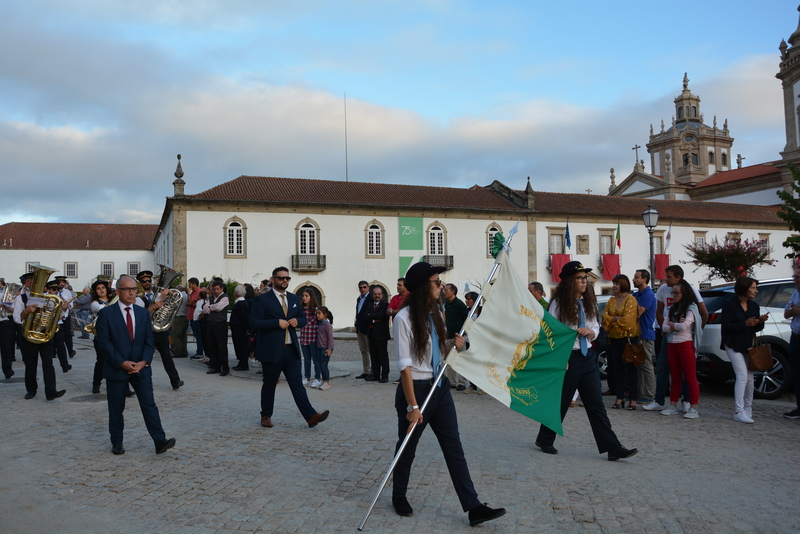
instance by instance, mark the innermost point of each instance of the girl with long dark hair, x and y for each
(308, 339)
(683, 328)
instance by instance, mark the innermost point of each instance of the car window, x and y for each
(765, 294)
(715, 299)
(782, 296)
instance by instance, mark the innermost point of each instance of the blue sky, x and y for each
(97, 97)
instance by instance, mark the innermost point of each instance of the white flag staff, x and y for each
(483, 512)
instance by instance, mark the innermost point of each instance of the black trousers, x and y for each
(217, 347)
(240, 344)
(162, 346)
(68, 333)
(290, 365)
(379, 356)
(61, 346)
(584, 375)
(8, 334)
(31, 353)
(440, 414)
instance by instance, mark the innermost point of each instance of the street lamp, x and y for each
(650, 217)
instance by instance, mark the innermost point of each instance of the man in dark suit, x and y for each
(362, 329)
(378, 334)
(275, 316)
(125, 337)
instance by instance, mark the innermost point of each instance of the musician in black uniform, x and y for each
(67, 299)
(152, 302)
(54, 288)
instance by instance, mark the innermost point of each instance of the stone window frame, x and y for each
(226, 238)
(491, 230)
(764, 237)
(553, 231)
(74, 272)
(381, 232)
(307, 283)
(131, 271)
(702, 234)
(298, 230)
(429, 231)
(601, 232)
(103, 272)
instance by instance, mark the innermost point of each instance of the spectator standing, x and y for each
(362, 329)
(741, 319)
(308, 339)
(180, 324)
(216, 311)
(83, 305)
(455, 313)
(239, 323)
(621, 321)
(324, 344)
(647, 316)
(537, 290)
(792, 312)
(191, 314)
(378, 333)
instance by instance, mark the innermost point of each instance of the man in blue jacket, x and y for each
(647, 316)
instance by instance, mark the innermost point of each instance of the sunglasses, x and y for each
(282, 278)
(437, 282)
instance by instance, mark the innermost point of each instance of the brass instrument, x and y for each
(9, 294)
(41, 325)
(162, 317)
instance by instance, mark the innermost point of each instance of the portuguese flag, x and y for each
(518, 352)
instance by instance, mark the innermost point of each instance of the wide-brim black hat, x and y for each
(573, 267)
(419, 273)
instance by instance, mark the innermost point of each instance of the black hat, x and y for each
(573, 267)
(100, 282)
(60, 278)
(25, 276)
(53, 284)
(144, 274)
(419, 273)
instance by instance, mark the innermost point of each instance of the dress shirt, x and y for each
(591, 323)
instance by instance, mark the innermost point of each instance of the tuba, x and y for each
(162, 317)
(9, 294)
(41, 325)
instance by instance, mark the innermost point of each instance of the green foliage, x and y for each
(790, 212)
(230, 285)
(730, 258)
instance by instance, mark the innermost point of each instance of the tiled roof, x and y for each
(600, 205)
(291, 190)
(70, 236)
(735, 175)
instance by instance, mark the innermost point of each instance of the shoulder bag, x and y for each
(759, 357)
(633, 354)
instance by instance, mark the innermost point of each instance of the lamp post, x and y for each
(650, 217)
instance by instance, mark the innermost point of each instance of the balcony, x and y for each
(308, 264)
(439, 261)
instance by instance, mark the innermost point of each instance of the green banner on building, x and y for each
(411, 241)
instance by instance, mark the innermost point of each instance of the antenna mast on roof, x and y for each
(346, 171)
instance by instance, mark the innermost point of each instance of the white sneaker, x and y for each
(669, 410)
(316, 383)
(306, 381)
(653, 406)
(742, 417)
(685, 407)
(748, 411)
(691, 414)
(324, 386)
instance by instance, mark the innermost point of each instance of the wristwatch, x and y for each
(412, 408)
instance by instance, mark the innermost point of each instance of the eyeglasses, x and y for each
(363, 287)
(286, 278)
(437, 282)
(126, 288)
(580, 279)
(676, 293)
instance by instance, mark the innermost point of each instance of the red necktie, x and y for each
(129, 320)
(376, 307)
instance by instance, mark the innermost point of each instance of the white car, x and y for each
(713, 364)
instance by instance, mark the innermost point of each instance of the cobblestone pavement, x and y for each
(228, 474)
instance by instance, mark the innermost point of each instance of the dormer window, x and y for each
(680, 113)
(694, 111)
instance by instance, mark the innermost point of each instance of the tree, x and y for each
(790, 212)
(730, 258)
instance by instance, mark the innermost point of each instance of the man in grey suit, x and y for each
(275, 316)
(125, 338)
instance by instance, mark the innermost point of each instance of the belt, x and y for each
(424, 382)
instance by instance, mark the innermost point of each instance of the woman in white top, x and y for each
(420, 335)
(681, 326)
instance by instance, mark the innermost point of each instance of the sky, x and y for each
(97, 97)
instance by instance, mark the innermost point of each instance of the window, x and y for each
(491, 231)
(29, 266)
(724, 159)
(374, 240)
(694, 111)
(710, 158)
(107, 269)
(700, 239)
(680, 113)
(134, 268)
(71, 269)
(556, 243)
(436, 241)
(764, 238)
(658, 244)
(235, 231)
(734, 236)
(308, 240)
(606, 244)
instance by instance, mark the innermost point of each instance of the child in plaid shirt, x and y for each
(308, 339)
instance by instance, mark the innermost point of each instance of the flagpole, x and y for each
(440, 374)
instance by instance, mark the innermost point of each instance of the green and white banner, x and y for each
(411, 242)
(518, 352)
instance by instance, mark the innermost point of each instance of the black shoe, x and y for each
(72, 353)
(66, 368)
(362, 375)
(57, 394)
(9, 373)
(549, 449)
(794, 414)
(177, 384)
(370, 378)
(383, 380)
(461, 388)
(483, 513)
(212, 371)
(118, 449)
(402, 507)
(29, 395)
(130, 393)
(95, 390)
(196, 357)
(240, 368)
(84, 337)
(621, 452)
(163, 446)
(225, 372)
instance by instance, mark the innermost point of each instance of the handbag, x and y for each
(759, 357)
(633, 354)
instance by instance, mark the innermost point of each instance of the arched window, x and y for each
(694, 111)
(235, 238)
(710, 158)
(436, 241)
(490, 233)
(307, 240)
(724, 159)
(695, 159)
(680, 113)
(373, 244)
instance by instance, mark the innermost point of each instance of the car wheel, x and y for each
(602, 363)
(773, 383)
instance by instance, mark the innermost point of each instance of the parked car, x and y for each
(713, 364)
